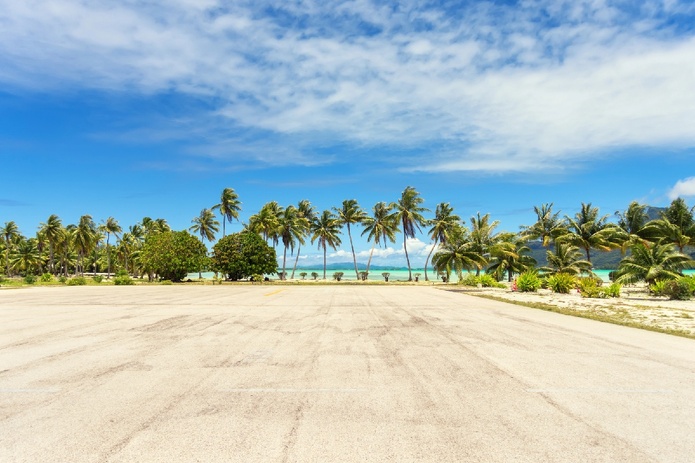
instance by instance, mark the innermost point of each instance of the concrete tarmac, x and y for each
(331, 374)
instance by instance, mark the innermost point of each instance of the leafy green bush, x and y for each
(314, 275)
(173, 254)
(337, 276)
(98, 278)
(678, 290)
(386, 276)
(303, 275)
(589, 288)
(528, 282)
(122, 273)
(166, 282)
(488, 281)
(364, 276)
(123, 280)
(257, 278)
(77, 281)
(613, 290)
(690, 281)
(46, 277)
(658, 288)
(63, 279)
(3, 278)
(241, 255)
(469, 280)
(30, 279)
(561, 283)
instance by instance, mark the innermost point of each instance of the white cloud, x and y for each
(683, 188)
(499, 89)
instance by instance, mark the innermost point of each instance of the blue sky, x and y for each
(146, 108)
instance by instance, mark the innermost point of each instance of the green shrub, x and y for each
(613, 290)
(303, 275)
(589, 287)
(122, 273)
(257, 278)
(30, 279)
(678, 290)
(690, 281)
(386, 276)
(364, 276)
(77, 281)
(337, 276)
(98, 278)
(488, 281)
(166, 282)
(63, 279)
(528, 282)
(561, 283)
(3, 278)
(46, 277)
(469, 280)
(123, 280)
(314, 275)
(658, 288)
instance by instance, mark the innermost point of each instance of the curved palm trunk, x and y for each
(369, 262)
(405, 247)
(296, 261)
(434, 245)
(284, 260)
(354, 257)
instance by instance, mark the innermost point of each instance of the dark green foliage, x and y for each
(77, 281)
(528, 282)
(613, 290)
(561, 283)
(337, 276)
(303, 275)
(123, 280)
(678, 290)
(172, 255)
(314, 275)
(591, 288)
(97, 278)
(468, 280)
(241, 255)
(30, 279)
(46, 277)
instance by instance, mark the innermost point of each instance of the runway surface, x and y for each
(331, 374)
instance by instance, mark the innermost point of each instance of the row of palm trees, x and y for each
(456, 245)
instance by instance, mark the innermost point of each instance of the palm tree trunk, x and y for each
(108, 258)
(324, 261)
(284, 260)
(296, 260)
(354, 258)
(369, 262)
(405, 247)
(434, 245)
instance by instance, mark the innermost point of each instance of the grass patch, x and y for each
(618, 318)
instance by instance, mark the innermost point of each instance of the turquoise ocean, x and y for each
(374, 275)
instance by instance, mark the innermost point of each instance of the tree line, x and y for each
(653, 249)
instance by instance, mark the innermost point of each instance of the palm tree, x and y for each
(482, 235)
(110, 226)
(85, 238)
(458, 254)
(566, 259)
(26, 257)
(267, 222)
(326, 229)
(292, 228)
(206, 226)
(443, 223)
(229, 207)
(509, 254)
(153, 226)
(659, 261)
(53, 231)
(351, 213)
(547, 227)
(306, 211)
(589, 231)
(381, 226)
(10, 233)
(662, 230)
(631, 225)
(408, 212)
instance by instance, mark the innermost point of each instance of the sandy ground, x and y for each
(634, 304)
(331, 374)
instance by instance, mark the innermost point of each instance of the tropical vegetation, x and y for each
(653, 246)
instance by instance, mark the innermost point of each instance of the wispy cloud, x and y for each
(683, 188)
(541, 85)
